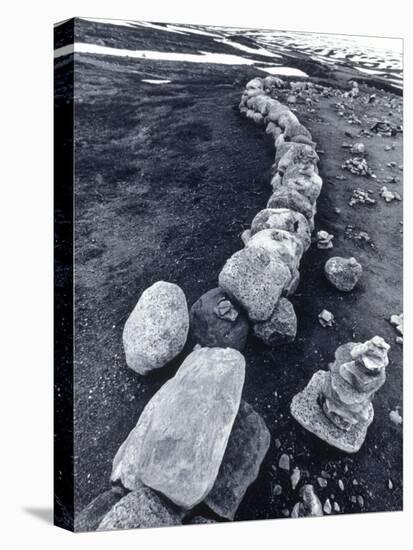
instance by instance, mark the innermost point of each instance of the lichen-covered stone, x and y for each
(142, 508)
(281, 327)
(246, 449)
(343, 273)
(297, 153)
(287, 198)
(280, 244)
(215, 321)
(180, 439)
(157, 328)
(254, 279)
(285, 219)
(307, 184)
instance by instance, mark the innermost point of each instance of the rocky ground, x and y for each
(167, 178)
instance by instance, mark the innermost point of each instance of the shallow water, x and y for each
(370, 56)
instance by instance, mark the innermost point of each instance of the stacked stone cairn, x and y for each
(337, 405)
(196, 441)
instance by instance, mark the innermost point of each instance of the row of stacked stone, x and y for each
(261, 276)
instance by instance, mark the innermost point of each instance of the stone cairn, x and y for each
(196, 440)
(336, 405)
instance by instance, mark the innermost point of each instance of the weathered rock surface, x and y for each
(254, 279)
(285, 219)
(343, 273)
(281, 327)
(287, 198)
(310, 505)
(180, 439)
(246, 449)
(299, 154)
(282, 245)
(91, 516)
(141, 508)
(157, 328)
(215, 321)
(308, 185)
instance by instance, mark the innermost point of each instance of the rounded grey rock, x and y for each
(254, 279)
(343, 273)
(157, 328)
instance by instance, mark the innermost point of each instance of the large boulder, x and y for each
(141, 508)
(308, 185)
(179, 441)
(297, 153)
(91, 516)
(343, 273)
(296, 129)
(281, 327)
(286, 119)
(215, 321)
(246, 449)
(276, 111)
(292, 199)
(285, 219)
(281, 244)
(156, 330)
(254, 279)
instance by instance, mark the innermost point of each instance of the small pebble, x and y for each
(395, 417)
(322, 482)
(360, 500)
(341, 484)
(327, 507)
(295, 478)
(284, 462)
(277, 490)
(390, 484)
(336, 507)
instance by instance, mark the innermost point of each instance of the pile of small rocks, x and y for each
(336, 404)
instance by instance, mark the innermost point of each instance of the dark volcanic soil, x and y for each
(167, 178)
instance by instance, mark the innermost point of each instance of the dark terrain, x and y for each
(166, 178)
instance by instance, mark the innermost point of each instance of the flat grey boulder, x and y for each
(180, 439)
(343, 273)
(254, 279)
(157, 328)
(141, 508)
(281, 327)
(215, 321)
(246, 449)
(91, 516)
